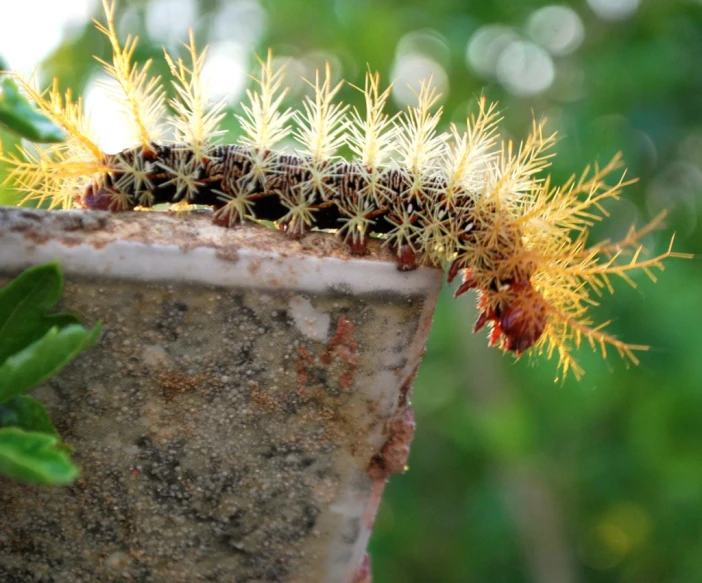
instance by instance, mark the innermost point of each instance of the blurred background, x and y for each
(512, 477)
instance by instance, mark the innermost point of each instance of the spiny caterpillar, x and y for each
(467, 199)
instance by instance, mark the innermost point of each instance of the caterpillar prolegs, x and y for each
(464, 198)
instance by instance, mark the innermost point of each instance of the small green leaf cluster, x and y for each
(35, 345)
(19, 116)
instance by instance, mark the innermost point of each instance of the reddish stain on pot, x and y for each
(363, 573)
(343, 345)
(392, 458)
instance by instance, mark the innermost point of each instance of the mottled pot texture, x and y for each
(241, 413)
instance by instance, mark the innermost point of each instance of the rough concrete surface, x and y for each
(225, 433)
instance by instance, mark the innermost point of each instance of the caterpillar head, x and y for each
(495, 261)
(516, 312)
(529, 261)
(522, 320)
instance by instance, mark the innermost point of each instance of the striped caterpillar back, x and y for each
(288, 193)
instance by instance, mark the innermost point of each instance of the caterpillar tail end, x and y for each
(96, 197)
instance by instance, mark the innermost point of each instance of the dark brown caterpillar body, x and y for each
(228, 171)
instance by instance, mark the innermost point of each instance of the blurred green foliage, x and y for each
(513, 477)
(17, 115)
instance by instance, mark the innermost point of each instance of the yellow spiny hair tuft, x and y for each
(197, 120)
(418, 143)
(321, 132)
(541, 237)
(469, 156)
(263, 122)
(322, 124)
(55, 172)
(140, 96)
(371, 136)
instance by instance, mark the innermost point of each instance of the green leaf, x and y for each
(43, 358)
(24, 306)
(26, 413)
(20, 117)
(36, 458)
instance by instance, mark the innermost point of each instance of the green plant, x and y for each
(35, 345)
(20, 119)
(19, 116)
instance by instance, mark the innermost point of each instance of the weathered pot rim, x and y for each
(163, 246)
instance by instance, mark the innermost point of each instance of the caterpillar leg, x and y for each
(292, 228)
(453, 270)
(358, 246)
(487, 315)
(406, 258)
(468, 283)
(490, 315)
(95, 198)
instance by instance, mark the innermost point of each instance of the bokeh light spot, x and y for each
(407, 72)
(614, 9)
(427, 42)
(224, 73)
(556, 28)
(29, 33)
(486, 46)
(242, 20)
(524, 68)
(109, 122)
(168, 21)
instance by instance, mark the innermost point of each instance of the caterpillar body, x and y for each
(464, 198)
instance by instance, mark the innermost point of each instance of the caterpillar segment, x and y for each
(464, 198)
(226, 181)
